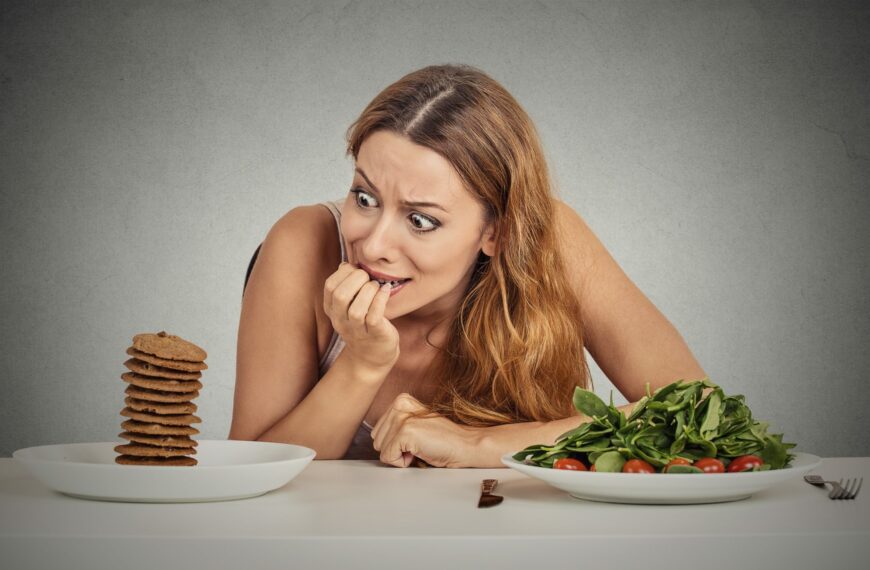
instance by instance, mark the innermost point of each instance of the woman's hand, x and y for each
(355, 304)
(400, 437)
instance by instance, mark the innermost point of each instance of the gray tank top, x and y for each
(361, 446)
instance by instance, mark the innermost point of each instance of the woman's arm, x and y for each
(278, 396)
(493, 442)
(629, 338)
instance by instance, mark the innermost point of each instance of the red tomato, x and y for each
(593, 468)
(710, 465)
(676, 461)
(637, 466)
(570, 464)
(744, 463)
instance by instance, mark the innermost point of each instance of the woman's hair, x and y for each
(514, 351)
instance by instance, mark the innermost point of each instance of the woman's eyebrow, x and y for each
(404, 202)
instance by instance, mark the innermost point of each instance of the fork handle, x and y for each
(488, 486)
(836, 489)
(823, 483)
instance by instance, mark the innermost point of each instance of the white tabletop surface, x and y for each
(364, 514)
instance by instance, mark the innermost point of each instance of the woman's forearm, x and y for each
(495, 441)
(330, 415)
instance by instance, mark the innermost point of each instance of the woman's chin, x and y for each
(391, 314)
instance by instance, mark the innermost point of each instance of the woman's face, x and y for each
(434, 246)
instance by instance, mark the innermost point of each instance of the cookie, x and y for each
(185, 365)
(160, 395)
(159, 384)
(163, 380)
(156, 461)
(166, 420)
(160, 440)
(153, 450)
(157, 429)
(159, 407)
(168, 346)
(146, 369)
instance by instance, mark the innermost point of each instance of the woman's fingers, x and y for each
(355, 305)
(375, 316)
(386, 433)
(359, 308)
(346, 292)
(385, 426)
(387, 442)
(330, 286)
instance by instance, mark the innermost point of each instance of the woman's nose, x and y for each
(380, 243)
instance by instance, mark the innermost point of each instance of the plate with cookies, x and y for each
(225, 470)
(161, 461)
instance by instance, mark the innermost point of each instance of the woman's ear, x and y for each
(487, 240)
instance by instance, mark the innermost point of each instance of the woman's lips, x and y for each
(381, 276)
(398, 287)
(375, 275)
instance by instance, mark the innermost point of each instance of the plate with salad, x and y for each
(688, 442)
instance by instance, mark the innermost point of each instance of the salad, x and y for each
(677, 429)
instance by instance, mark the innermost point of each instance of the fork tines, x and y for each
(848, 490)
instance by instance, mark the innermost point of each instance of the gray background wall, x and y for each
(721, 151)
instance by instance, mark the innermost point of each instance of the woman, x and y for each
(475, 348)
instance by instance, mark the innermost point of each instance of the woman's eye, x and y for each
(363, 198)
(417, 219)
(420, 224)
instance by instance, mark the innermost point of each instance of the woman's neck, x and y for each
(420, 337)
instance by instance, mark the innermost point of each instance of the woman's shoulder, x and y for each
(308, 239)
(311, 224)
(577, 242)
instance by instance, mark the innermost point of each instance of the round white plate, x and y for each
(663, 488)
(226, 469)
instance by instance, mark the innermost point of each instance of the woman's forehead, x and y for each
(403, 170)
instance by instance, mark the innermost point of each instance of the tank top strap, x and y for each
(334, 206)
(336, 343)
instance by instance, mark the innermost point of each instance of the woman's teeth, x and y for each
(392, 283)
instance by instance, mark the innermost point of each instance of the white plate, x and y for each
(663, 488)
(226, 469)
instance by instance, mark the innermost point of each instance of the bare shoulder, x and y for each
(309, 230)
(595, 276)
(579, 246)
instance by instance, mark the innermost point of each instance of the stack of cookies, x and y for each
(164, 378)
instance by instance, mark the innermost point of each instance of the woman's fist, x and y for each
(355, 304)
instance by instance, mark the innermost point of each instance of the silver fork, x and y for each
(849, 490)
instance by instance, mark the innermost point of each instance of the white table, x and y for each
(363, 514)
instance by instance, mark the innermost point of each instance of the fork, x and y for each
(838, 489)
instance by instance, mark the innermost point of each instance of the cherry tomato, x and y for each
(570, 464)
(593, 468)
(676, 461)
(710, 465)
(744, 463)
(637, 466)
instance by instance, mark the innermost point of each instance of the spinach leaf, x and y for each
(677, 419)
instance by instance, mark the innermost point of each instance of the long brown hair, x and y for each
(514, 351)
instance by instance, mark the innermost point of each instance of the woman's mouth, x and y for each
(395, 285)
(395, 288)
